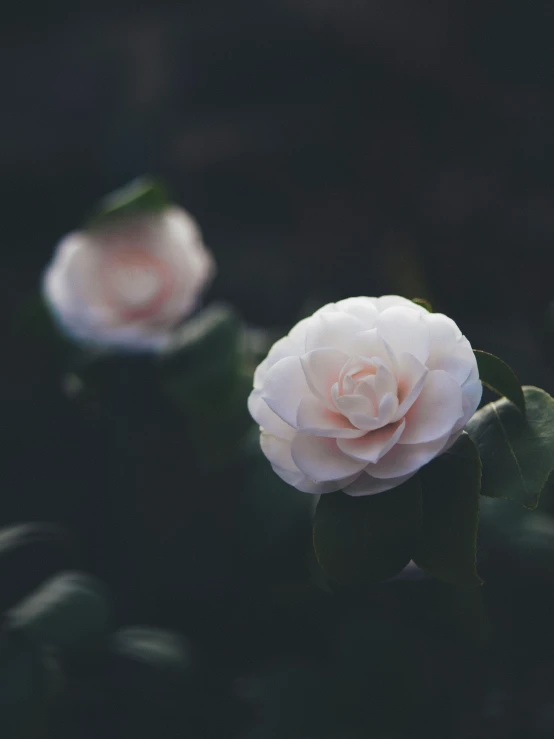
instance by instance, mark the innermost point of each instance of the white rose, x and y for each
(128, 283)
(362, 394)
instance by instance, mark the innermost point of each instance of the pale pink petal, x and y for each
(395, 301)
(443, 331)
(297, 334)
(385, 381)
(366, 388)
(266, 418)
(370, 344)
(315, 418)
(359, 410)
(335, 330)
(367, 485)
(387, 408)
(405, 459)
(457, 359)
(305, 485)
(285, 386)
(285, 347)
(277, 451)
(321, 460)
(471, 397)
(411, 377)
(362, 308)
(436, 411)
(322, 368)
(374, 445)
(405, 330)
(353, 366)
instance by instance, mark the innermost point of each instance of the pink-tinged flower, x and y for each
(362, 394)
(130, 281)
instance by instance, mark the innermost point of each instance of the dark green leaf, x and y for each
(162, 650)
(70, 611)
(202, 375)
(450, 493)
(359, 540)
(424, 304)
(139, 197)
(30, 553)
(517, 452)
(498, 376)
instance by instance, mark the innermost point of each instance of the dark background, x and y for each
(328, 148)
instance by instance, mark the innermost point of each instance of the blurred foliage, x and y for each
(158, 488)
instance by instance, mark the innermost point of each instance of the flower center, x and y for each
(136, 283)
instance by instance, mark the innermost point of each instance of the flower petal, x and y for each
(405, 330)
(335, 330)
(285, 386)
(277, 451)
(315, 418)
(285, 347)
(436, 410)
(266, 418)
(411, 377)
(370, 344)
(443, 331)
(359, 410)
(471, 397)
(304, 484)
(387, 408)
(395, 301)
(455, 358)
(374, 445)
(385, 381)
(362, 308)
(365, 484)
(321, 460)
(322, 368)
(406, 459)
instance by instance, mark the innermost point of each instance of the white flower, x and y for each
(362, 394)
(129, 282)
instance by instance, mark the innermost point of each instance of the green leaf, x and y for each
(517, 452)
(202, 374)
(498, 376)
(30, 553)
(70, 611)
(423, 303)
(158, 648)
(360, 540)
(139, 197)
(450, 487)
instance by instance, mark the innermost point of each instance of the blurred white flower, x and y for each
(362, 394)
(126, 283)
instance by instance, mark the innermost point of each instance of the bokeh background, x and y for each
(328, 148)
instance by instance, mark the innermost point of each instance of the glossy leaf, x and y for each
(499, 377)
(70, 611)
(160, 649)
(29, 554)
(360, 540)
(517, 452)
(450, 486)
(139, 197)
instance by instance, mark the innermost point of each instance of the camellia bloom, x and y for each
(129, 281)
(362, 394)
